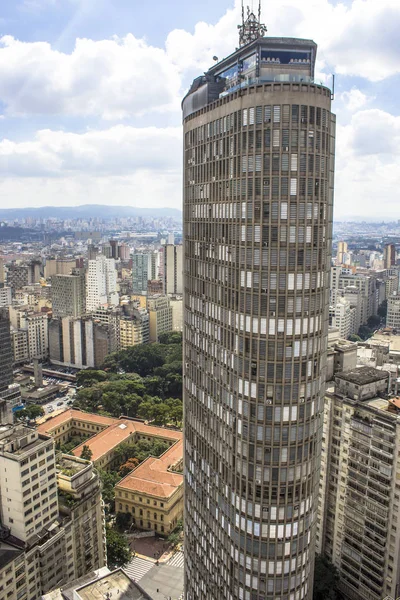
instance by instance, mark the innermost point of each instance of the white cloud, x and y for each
(122, 164)
(368, 165)
(118, 151)
(354, 99)
(110, 78)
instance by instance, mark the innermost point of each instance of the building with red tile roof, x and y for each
(153, 492)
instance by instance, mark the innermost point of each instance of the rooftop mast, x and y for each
(251, 28)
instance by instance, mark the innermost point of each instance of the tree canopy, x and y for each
(118, 551)
(31, 411)
(86, 453)
(143, 381)
(326, 579)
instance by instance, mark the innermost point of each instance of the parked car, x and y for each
(60, 403)
(50, 409)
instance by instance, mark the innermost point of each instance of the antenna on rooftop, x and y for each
(251, 28)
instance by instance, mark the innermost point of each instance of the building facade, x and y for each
(357, 525)
(5, 296)
(393, 311)
(160, 316)
(101, 284)
(6, 354)
(259, 141)
(79, 343)
(43, 547)
(389, 256)
(173, 269)
(68, 295)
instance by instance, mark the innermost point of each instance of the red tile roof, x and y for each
(152, 478)
(120, 431)
(74, 415)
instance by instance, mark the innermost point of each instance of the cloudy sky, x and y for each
(90, 95)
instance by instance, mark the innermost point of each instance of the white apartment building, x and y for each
(359, 496)
(342, 316)
(41, 546)
(35, 326)
(393, 311)
(173, 269)
(160, 316)
(5, 296)
(341, 279)
(176, 303)
(101, 285)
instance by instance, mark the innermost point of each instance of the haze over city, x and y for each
(90, 95)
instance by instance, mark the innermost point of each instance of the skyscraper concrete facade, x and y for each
(259, 140)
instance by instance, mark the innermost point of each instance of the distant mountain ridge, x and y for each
(87, 211)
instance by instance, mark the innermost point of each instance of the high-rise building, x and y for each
(5, 295)
(58, 266)
(36, 326)
(17, 277)
(173, 273)
(80, 343)
(6, 352)
(68, 295)
(259, 140)
(359, 504)
(101, 285)
(393, 311)
(52, 521)
(160, 316)
(341, 251)
(389, 256)
(140, 272)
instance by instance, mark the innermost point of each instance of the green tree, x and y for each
(382, 309)
(326, 579)
(354, 338)
(172, 337)
(123, 520)
(86, 453)
(175, 407)
(373, 321)
(108, 482)
(118, 551)
(365, 332)
(31, 411)
(89, 377)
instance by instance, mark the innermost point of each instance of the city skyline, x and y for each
(96, 138)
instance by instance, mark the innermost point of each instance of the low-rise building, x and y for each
(157, 482)
(153, 492)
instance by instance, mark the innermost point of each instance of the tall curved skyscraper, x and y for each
(259, 141)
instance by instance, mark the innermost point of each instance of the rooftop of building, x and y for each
(18, 439)
(152, 478)
(7, 554)
(386, 337)
(70, 465)
(121, 430)
(72, 414)
(116, 586)
(363, 375)
(163, 581)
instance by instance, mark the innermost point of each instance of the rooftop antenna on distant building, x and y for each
(251, 28)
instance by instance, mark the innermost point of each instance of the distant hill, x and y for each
(87, 211)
